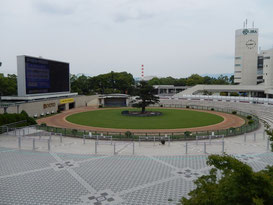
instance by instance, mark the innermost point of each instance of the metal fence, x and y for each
(174, 135)
(11, 126)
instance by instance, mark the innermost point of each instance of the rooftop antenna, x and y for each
(246, 23)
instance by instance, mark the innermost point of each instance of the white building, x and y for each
(268, 70)
(246, 56)
(253, 70)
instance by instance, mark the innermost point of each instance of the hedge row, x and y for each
(11, 118)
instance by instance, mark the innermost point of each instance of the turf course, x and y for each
(170, 119)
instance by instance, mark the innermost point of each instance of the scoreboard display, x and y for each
(42, 76)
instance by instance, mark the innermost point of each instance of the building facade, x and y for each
(246, 56)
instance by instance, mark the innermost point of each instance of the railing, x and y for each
(11, 126)
(174, 135)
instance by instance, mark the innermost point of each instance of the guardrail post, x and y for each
(48, 145)
(210, 139)
(223, 146)
(205, 148)
(254, 137)
(186, 148)
(114, 148)
(33, 144)
(83, 139)
(50, 136)
(19, 142)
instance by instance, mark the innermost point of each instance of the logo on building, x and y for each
(247, 31)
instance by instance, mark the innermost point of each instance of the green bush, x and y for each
(250, 122)
(187, 133)
(212, 109)
(249, 117)
(74, 132)
(187, 106)
(12, 118)
(128, 134)
(43, 124)
(234, 112)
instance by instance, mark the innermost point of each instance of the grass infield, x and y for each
(170, 119)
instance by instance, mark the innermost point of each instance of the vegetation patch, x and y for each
(170, 119)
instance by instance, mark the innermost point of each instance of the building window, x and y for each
(237, 65)
(237, 58)
(238, 71)
(268, 57)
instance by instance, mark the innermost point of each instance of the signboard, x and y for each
(67, 100)
(42, 76)
(49, 105)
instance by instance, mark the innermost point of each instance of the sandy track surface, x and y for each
(59, 120)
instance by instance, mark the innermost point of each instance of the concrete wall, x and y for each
(39, 107)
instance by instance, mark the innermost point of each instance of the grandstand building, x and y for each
(253, 69)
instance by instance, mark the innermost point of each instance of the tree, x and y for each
(238, 184)
(8, 85)
(144, 91)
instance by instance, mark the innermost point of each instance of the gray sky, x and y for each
(170, 37)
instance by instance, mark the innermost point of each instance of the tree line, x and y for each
(115, 82)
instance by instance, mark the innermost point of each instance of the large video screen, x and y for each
(46, 76)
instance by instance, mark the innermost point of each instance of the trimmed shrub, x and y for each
(212, 109)
(43, 124)
(249, 117)
(234, 112)
(128, 134)
(12, 118)
(250, 122)
(74, 132)
(187, 133)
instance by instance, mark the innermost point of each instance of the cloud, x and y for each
(55, 7)
(140, 15)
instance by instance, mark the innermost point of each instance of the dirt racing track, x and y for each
(59, 120)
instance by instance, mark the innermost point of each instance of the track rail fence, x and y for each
(246, 128)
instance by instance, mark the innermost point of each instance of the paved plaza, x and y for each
(138, 173)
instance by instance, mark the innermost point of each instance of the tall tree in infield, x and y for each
(145, 93)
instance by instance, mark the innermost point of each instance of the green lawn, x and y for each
(170, 119)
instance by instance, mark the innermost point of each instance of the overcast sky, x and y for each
(170, 37)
